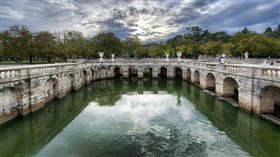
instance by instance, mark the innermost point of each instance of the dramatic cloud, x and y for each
(151, 20)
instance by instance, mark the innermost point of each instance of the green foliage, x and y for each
(189, 48)
(258, 46)
(212, 48)
(107, 43)
(131, 46)
(18, 43)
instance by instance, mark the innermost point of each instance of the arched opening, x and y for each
(178, 72)
(84, 77)
(196, 77)
(210, 82)
(10, 99)
(189, 75)
(117, 72)
(148, 72)
(270, 100)
(50, 89)
(230, 88)
(70, 82)
(133, 71)
(92, 73)
(163, 72)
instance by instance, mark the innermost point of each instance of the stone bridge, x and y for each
(26, 89)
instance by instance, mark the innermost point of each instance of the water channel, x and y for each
(131, 117)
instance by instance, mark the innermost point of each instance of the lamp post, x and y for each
(113, 57)
(167, 57)
(179, 54)
(101, 54)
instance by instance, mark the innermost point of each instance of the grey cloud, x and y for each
(150, 19)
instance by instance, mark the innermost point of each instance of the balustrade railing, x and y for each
(10, 73)
(274, 73)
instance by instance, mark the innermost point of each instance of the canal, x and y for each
(131, 117)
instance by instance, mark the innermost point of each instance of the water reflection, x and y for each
(122, 117)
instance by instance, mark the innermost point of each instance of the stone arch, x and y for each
(210, 81)
(51, 89)
(92, 73)
(230, 88)
(163, 72)
(178, 72)
(148, 72)
(196, 77)
(133, 71)
(188, 74)
(117, 71)
(270, 100)
(70, 82)
(11, 101)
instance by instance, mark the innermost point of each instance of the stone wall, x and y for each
(27, 89)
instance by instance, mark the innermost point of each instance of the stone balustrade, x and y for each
(273, 73)
(10, 73)
(29, 84)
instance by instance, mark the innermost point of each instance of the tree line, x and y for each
(18, 43)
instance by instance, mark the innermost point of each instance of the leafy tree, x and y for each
(189, 48)
(212, 48)
(17, 41)
(132, 46)
(245, 31)
(45, 44)
(107, 43)
(268, 30)
(219, 36)
(257, 46)
(78, 44)
(197, 34)
(175, 40)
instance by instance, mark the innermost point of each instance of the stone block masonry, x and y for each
(24, 90)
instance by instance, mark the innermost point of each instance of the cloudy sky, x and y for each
(151, 20)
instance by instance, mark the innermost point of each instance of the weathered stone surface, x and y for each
(27, 89)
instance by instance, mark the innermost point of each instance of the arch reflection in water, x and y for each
(104, 120)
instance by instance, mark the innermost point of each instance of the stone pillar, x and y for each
(202, 81)
(155, 73)
(125, 73)
(140, 74)
(184, 73)
(36, 94)
(170, 73)
(245, 95)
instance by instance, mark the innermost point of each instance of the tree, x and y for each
(245, 31)
(258, 46)
(175, 40)
(131, 46)
(197, 34)
(107, 43)
(268, 30)
(189, 48)
(18, 41)
(45, 44)
(219, 36)
(212, 48)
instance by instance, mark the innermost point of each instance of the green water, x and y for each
(150, 118)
